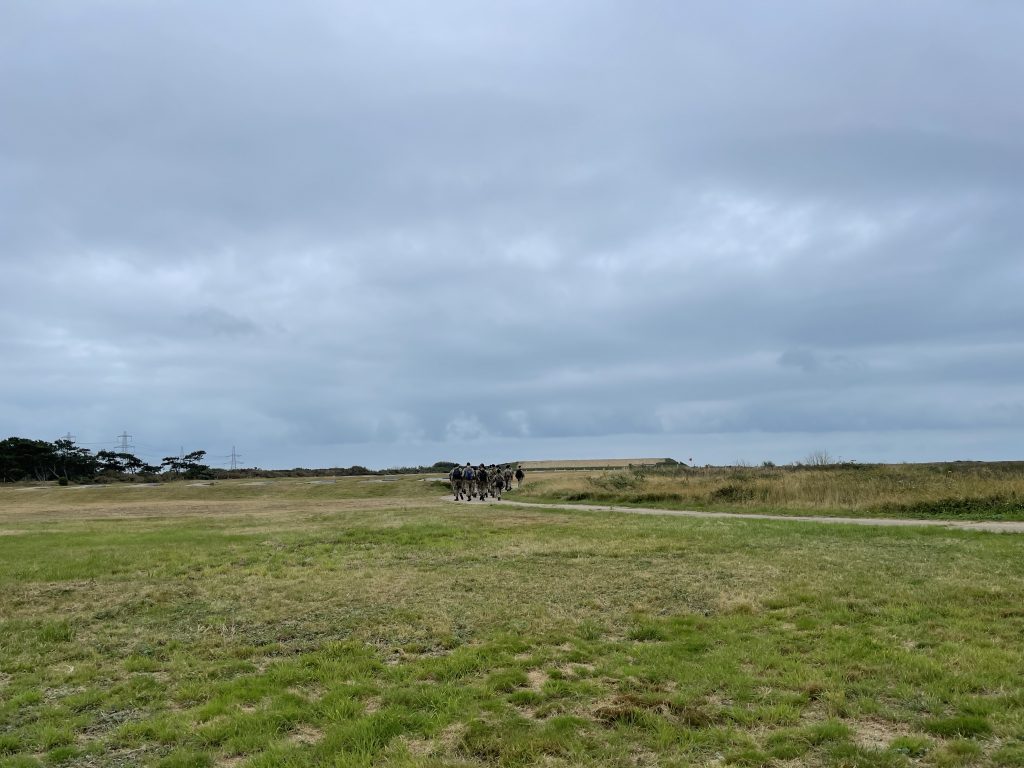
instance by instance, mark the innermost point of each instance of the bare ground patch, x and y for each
(536, 679)
(877, 734)
(419, 747)
(308, 691)
(446, 742)
(306, 734)
(574, 670)
(450, 737)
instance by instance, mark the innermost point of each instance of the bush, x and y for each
(617, 481)
(819, 458)
(732, 493)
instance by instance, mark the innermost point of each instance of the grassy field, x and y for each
(968, 491)
(363, 623)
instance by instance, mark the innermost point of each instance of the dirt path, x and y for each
(963, 525)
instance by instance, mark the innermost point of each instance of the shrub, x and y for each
(819, 458)
(732, 492)
(617, 481)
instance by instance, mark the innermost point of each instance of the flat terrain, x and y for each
(362, 622)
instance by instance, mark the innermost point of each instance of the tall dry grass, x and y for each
(981, 490)
(588, 463)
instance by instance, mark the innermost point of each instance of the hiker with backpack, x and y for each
(497, 482)
(455, 478)
(481, 481)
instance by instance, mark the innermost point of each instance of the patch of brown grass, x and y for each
(877, 733)
(305, 734)
(536, 679)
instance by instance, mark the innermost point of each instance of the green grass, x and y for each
(372, 624)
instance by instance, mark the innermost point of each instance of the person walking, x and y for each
(455, 478)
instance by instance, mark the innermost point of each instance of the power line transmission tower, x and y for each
(125, 445)
(234, 458)
(68, 436)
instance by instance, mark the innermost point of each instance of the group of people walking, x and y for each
(482, 481)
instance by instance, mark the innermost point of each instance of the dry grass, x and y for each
(588, 464)
(968, 491)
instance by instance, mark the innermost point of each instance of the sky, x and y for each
(393, 233)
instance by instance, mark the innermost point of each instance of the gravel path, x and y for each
(963, 525)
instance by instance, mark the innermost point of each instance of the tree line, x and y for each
(23, 459)
(62, 460)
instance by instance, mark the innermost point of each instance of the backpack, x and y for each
(457, 473)
(468, 473)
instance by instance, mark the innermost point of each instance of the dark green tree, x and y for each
(116, 463)
(190, 465)
(171, 464)
(193, 465)
(24, 459)
(110, 462)
(73, 461)
(131, 463)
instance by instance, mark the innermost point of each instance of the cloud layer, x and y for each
(332, 234)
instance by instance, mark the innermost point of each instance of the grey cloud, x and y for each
(389, 232)
(804, 359)
(211, 321)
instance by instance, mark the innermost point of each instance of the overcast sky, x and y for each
(391, 233)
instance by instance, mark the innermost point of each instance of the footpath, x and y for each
(996, 526)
